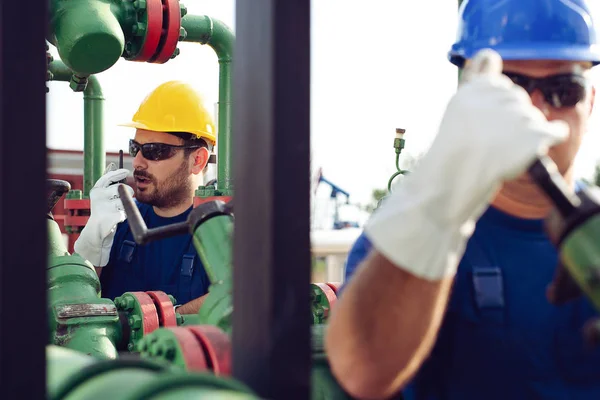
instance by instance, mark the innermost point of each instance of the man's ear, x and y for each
(199, 160)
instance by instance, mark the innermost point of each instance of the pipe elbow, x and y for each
(93, 90)
(206, 30)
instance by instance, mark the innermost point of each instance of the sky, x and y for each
(374, 68)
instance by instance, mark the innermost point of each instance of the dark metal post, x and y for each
(271, 110)
(23, 254)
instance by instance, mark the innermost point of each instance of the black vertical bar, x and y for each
(271, 142)
(23, 255)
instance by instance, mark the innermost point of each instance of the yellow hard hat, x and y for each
(175, 106)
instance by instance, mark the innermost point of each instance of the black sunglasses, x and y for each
(156, 151)
(563, 90)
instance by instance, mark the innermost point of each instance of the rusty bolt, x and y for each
(78, 83)
(183, 9)
(175, 53)
(135, 322)
(139, 5)
(182, 34)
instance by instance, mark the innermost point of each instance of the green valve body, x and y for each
(580, 253)
(78, 26)
(79, 319)
(213, 242)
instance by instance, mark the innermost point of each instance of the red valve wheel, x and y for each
(331, 296)
(217, 347)
(170, 35)
(149, 315)
(154, 16)
(164, 307)
(191, 349)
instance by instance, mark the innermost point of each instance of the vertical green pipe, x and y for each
(93, 117)
(94, 157)
(206, 30)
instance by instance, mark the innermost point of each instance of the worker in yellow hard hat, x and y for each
(174, 135)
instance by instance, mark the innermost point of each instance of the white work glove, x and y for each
(489, 133)
(96, 238)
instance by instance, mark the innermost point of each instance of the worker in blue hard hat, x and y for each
(174, 134)
(446, 292)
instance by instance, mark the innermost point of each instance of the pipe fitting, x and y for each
(79, 28)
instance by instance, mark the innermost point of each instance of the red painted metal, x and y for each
(191, 348)
(164, 307)
(217, 347)
(149, 314)
(154, 14)
(201, 200)
(335, 286)
(331, 296)
(170, 35)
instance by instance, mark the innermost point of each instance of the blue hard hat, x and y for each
(526, 30)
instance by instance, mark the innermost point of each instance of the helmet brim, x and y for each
(571, 53)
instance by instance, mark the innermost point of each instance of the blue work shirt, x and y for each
(171, 265)
(501, 338)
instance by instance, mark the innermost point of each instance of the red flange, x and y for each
(331, 296)
(149, 314)
(217, 347)
(335, 286)
(201, 200)
(164, 307)
(191, 348)
(154, 17)
(170, 34)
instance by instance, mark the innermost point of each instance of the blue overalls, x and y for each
(171, 265)
(501, 338)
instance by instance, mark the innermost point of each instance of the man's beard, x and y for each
(171, 192)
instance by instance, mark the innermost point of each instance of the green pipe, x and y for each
(72, 375)
(93, 117)
(94, 156)
(56, 244)
(207, 30)
(212, 240)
